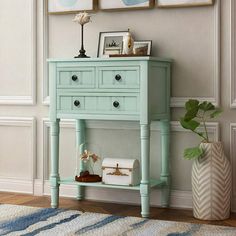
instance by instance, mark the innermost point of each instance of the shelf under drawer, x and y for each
(71, 181)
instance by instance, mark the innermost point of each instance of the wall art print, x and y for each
(183, 3)
(124, 4)
(70, 6)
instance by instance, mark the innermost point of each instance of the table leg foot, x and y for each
(80, 193)
(145, 200)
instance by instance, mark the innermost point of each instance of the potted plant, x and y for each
(211, 170)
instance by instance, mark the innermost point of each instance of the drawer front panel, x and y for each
(81, 78)
(119, 77)
(98, 104)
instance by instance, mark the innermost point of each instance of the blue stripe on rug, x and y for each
(50, 226)
(99, 224)
(139, 224)
(23, 222)
(193, 229)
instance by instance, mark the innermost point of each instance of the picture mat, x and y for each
(56, 6)
(183, 2)
(108, 40)
(119, 4)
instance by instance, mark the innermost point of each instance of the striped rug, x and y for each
(28, 221)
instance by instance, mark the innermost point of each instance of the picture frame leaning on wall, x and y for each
(70, 6)
(183, 3)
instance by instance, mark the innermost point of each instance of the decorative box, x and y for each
(121, 171)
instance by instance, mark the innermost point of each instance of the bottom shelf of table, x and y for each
(71, 181)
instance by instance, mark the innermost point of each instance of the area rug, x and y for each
(28, 221)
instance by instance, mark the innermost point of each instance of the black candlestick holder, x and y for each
(82, 51)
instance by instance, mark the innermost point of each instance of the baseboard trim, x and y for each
(17, 186)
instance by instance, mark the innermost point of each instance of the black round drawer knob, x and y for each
(77, 103)
(74, 77)
(118, 77)
(116, 104)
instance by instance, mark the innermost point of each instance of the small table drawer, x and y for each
(83, 77)
(119, 77)
(100, 104)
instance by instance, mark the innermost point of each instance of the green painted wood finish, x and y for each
(71, 181)
(135, 88)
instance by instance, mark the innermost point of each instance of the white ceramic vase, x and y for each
(128, 44)
(211, 183)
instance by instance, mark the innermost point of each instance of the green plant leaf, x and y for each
(191, 104)
(217, 112)
(193, 153)
(191, 114)
(191, 124)
(206, 106)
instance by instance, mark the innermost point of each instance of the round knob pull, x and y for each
(116, 104)
(74, 77)
(77, 103)
(118, 77)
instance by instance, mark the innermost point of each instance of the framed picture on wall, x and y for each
(124, 4)
(183, 3)
(70, 6)
(110, 43)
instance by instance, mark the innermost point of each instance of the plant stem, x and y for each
(204, 125)
(205, 138)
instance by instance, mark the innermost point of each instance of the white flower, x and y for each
(82, 18)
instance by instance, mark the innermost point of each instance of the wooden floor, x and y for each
(109, 208)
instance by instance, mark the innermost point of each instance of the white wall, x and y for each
(199, 41)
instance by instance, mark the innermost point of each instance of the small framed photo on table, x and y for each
(110, 43)
(142, 48)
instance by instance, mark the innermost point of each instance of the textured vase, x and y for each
(211, 183)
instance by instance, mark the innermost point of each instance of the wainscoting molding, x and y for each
(44, 46)
(13, 184)
(215, 99)
(232, 55)
(233, 162)
(27, 99)
(181, 199)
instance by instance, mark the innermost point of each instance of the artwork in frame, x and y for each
(70, 6)
(183, 3)
(124, 4)
(142, 47)
(110, 43)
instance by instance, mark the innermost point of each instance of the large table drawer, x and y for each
(102, 104)
(83, 77)
(119, 77)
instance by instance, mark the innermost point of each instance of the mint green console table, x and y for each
(128, 89)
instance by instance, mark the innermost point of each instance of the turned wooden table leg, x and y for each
(165, 173)
(145, 164)
(54, 177)
(80, 145)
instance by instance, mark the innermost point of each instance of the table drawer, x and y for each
(119, 77)
(102, 104)
(83, 77)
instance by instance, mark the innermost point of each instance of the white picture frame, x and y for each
(183, 3)
(70, 6)
(124, 4)
(110, 43)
